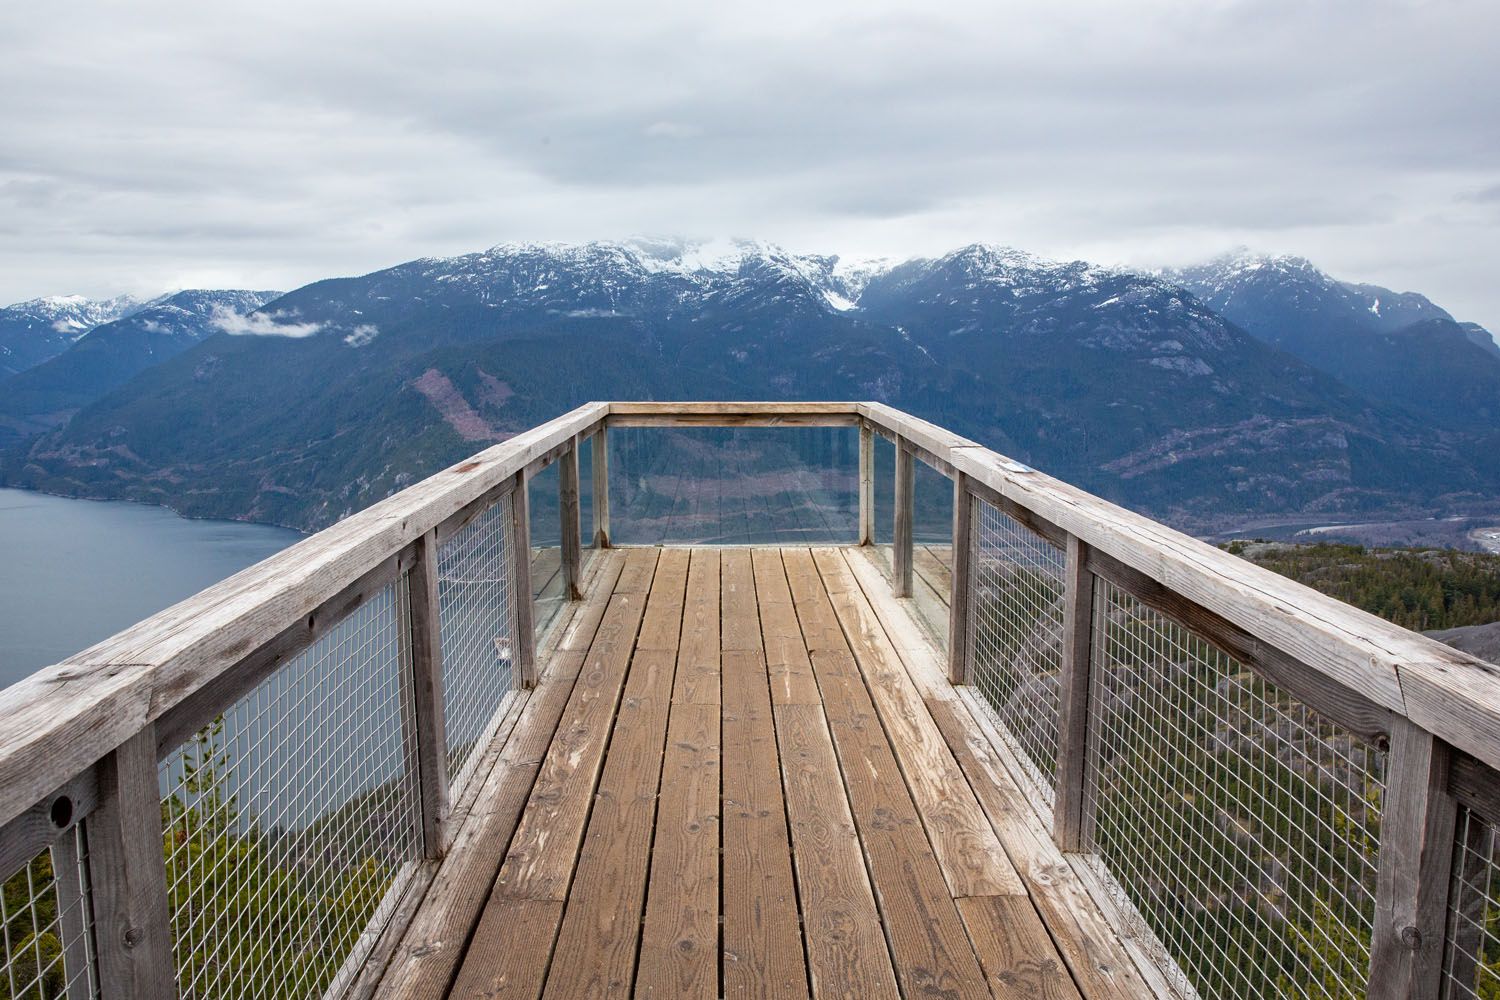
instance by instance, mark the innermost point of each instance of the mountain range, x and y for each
(33, 331)
(107, 355)
(1245, 386)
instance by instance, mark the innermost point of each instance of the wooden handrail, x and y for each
(62, 720)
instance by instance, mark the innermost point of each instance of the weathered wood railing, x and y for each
(1215, 744)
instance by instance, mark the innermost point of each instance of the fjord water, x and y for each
(77, 571)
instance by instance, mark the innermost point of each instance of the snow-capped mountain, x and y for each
(38, 329)
(325, 399)
(110, 354)
(1396, 347)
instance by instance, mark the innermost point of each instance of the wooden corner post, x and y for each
(128, 875)
(571, 528)
(1069, 822)
(866, 484)
(601, 487)
(901, 548)
(428, 710)
(524, 647)
(961, 585)
(1418, 819)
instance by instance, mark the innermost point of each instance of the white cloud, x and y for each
(277, 324)
(362, 335)
(272, 143)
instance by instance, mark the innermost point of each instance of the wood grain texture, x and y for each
(928, 945)
(128, 875)
(600, 458)
(1020, 961)
(1073, 701)
(698, 654)
(792, 681)
(524, 608)
(426, 959)
(943, 578)
(570, 527)
(846, 949)
(425, 664)
(762, 951)
(1100, 963)
(540, 862)
(679, 954)
(763, 947)
(972, 859)
(601, 929)
(1416, 857)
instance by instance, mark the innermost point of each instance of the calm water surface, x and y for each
(77, 571)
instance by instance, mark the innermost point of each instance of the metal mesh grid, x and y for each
(478, 631)
(1240, 826)
(1471, 959)
(47, 926)
(290, 817)
(1015, 637)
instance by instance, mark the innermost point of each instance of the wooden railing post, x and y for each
(128, 875)
(866, 484)
(524, 648)
(901, 548)
(72, 902)
(1418, 817)
(571, 527)
(1069, 825)
(426, 666)
(601, 487)
(961, 586)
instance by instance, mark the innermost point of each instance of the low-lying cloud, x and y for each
(258, 324)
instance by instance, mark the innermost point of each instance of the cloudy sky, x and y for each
(151, 145)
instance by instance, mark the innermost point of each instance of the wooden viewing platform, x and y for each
(746, 763)
(1052, 749)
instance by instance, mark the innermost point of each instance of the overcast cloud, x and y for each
(151, 145)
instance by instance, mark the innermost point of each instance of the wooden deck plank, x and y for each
(679, 955)
(698, 658)
(1018, 955)
(427, 956)
(846, 950)
(928, 942)
(792, 681)
(762, 952)
(967, 850)
(539, 863)
(600, 935)
(680, 940)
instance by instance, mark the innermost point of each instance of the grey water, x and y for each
(74, 572)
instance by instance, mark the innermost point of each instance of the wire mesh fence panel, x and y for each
(1240, 826)
(1471, 959)
(477, 616)
(1015, 637)
(47, 926)
(289, 819)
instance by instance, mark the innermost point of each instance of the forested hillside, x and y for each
(1421, 589)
